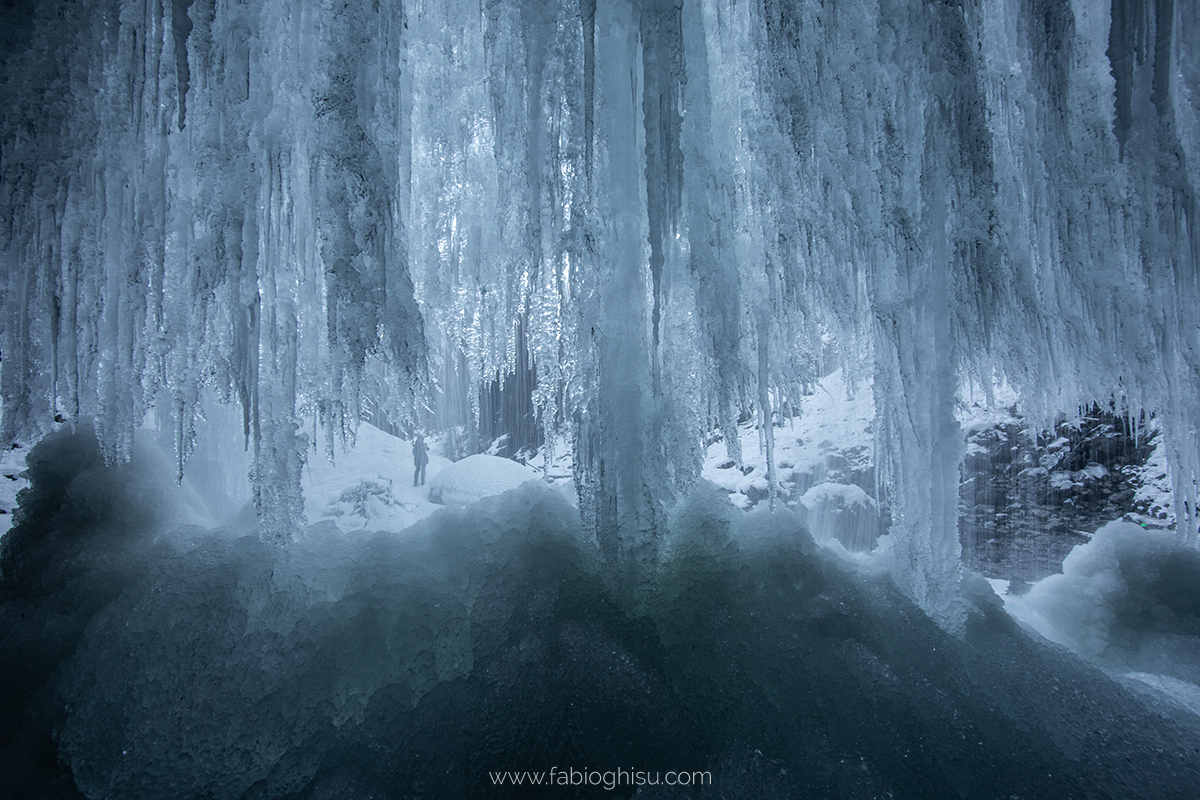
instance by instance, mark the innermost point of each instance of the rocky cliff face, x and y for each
(1028, 497)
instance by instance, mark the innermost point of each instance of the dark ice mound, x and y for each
(153, 660)
(1129, 601)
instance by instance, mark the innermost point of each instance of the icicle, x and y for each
(766, 418)
(629, 221)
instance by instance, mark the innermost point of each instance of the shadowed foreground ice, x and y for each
(152, 659)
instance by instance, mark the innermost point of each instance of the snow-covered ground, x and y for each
(980, 409)
(369, 486)
(832, 425)
(12, 464)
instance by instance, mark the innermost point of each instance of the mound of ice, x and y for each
(841, 511)
(476, 477)
(1128, 600)
(148, 660)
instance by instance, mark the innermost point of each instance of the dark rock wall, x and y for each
(1027, 498)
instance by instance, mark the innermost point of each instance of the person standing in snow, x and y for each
(420, 459)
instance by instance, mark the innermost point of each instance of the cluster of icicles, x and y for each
(311, 209)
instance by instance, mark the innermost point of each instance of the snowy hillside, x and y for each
(368, 486)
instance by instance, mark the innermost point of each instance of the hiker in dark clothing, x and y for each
(420, 459)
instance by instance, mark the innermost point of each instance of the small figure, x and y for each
(420, 459)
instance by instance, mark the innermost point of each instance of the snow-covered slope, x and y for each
(824, 461)
(834, 426)
(369, 485)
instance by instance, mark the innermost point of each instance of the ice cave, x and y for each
(600, 399)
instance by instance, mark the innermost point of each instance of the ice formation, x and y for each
(653, 208)
(1128, 599)
(154, 657)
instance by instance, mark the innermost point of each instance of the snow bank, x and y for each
(1129, 600)
(475, 477)
(148, 660)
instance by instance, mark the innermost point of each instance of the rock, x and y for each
(836, 461)
(1024, 495)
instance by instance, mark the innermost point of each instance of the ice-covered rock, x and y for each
(1129, 600)
(842, 511)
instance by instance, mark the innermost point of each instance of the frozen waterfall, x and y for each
(654, 208)
(620, 231)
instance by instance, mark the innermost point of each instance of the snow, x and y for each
(1060, 480)
(832, 421)
(1154, 489)
(838, 493)
(1127, 600)
(1127, 597)
(368, 486)
(475, 477)
(999, 586)
(12, 465)
(987, 403)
